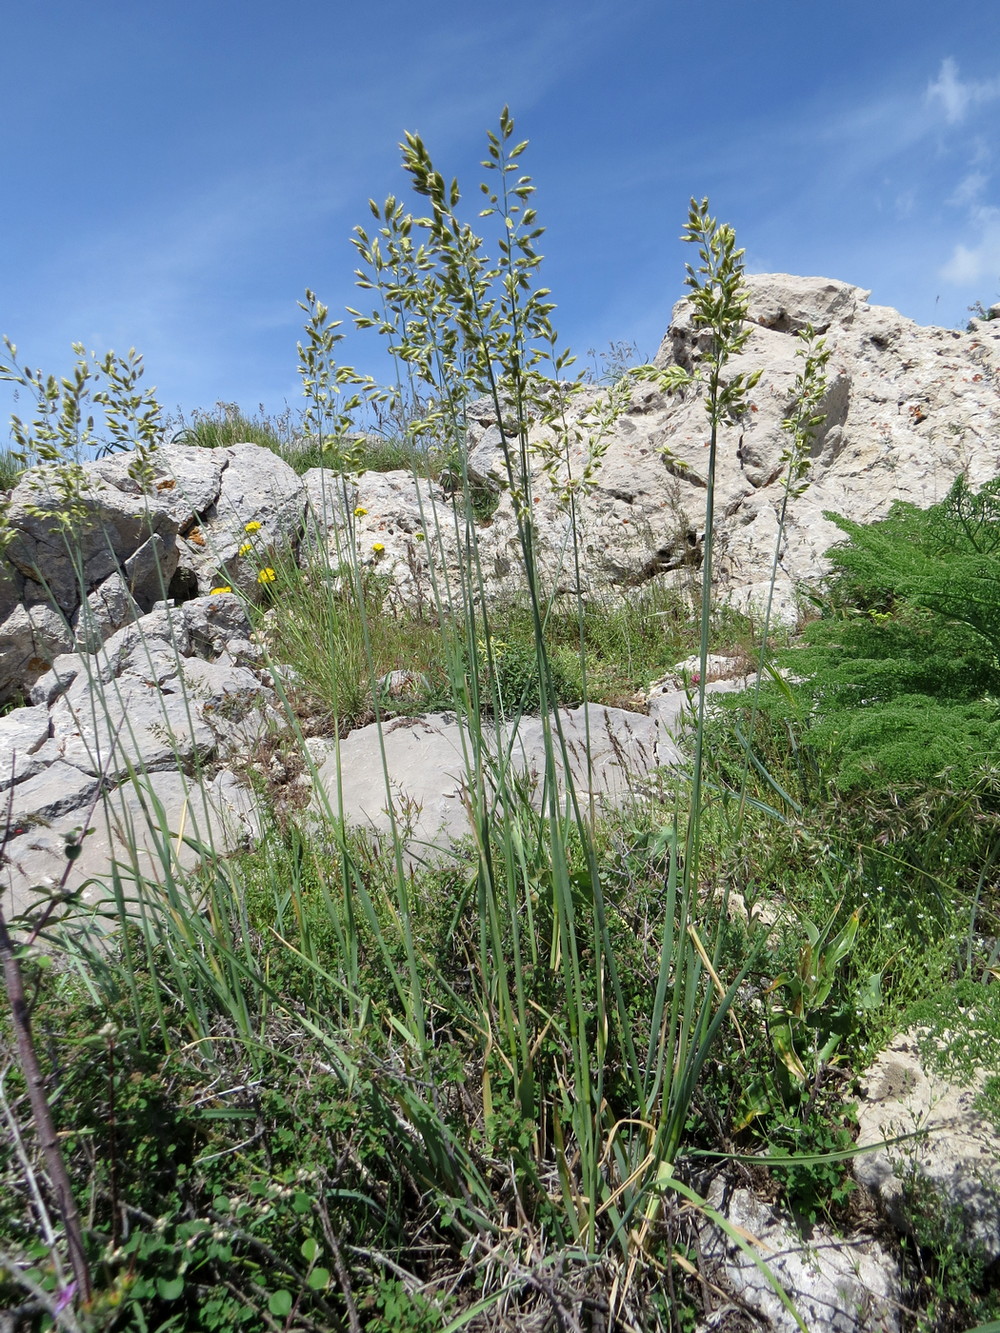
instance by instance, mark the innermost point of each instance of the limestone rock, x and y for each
(425, 758)
(790, 304)
(837, 1286)
(30, 637)
(23, 733)
(116, 522)
(147, 700)
(255, 487)
(402, 685)
(718, 667)
(906, 409)
(957, 1153)
(181, 534)
(395, 525)
(108, 608)
(218, 813)
(162, 696)
(330, 505)
(55, 791)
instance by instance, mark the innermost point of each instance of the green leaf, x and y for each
(169, 1289)
(318, 1279)
(280, 1303)
(309, 1249)
(784, 1048)
(871, 995)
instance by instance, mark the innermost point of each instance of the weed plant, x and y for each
(11, 469)
(870, 807)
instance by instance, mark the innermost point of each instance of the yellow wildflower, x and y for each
(246, 548)
(224, 588)
(252, 527)
(360, 511)
(378, 547)
(266, 576)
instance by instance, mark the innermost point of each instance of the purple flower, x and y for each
(64, 1298)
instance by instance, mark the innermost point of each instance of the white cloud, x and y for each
(971, 264)
(956, 96)
(969, 189)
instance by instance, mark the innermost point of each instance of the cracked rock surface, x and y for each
(425, 759)
(180, 536)
(956, 1154)
(111, 733)
(837, 1284)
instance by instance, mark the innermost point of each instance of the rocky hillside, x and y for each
(907, 408)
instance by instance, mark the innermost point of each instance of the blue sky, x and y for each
(173, 176)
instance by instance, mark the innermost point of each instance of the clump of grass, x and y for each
(227, 424)
(338, 635)
(12, 468)
(515, 1034)
(607, 652)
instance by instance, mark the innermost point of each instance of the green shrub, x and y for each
(897, 679)
(913, 738)
(512, 671)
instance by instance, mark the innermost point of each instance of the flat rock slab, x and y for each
(957, 1155)
(412, 772)
(157, 816)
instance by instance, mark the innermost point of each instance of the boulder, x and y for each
(107, 609)
(424, 783)
(906, 409)
(56, 549)
(421, 787)
(405, 530)
(132, 727)
(252, 522)
(31, 636)
(144, 827)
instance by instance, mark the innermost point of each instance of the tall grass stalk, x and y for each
(800, 424)
(491, 334)
(720, 301)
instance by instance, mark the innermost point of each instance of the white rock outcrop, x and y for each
(836, 1284)
(109, 734)
(906, 409)
(132, 545)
